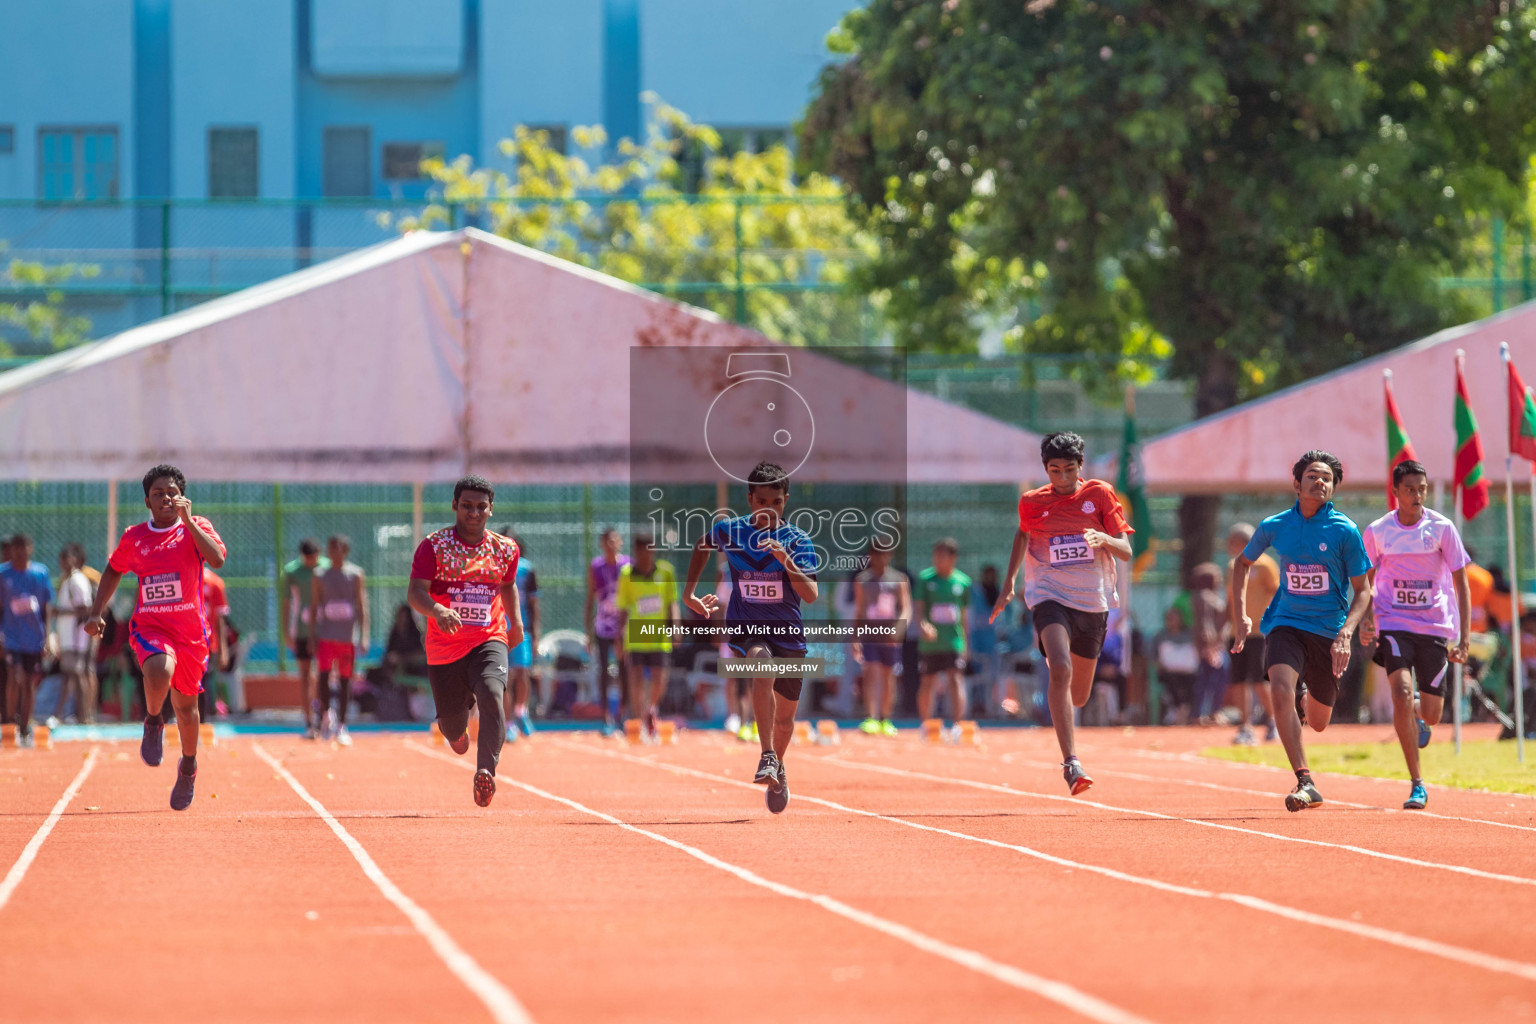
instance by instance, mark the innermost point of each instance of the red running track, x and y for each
(905, 883)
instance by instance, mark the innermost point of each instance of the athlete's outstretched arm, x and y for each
(1368, 624)
(209, 548)
(1015, 559)
(1237, 602)
(94, 623)
(1117, 544)
(707, 604)
(1464, 606)
(1357, 610)
(419, 596)
(514, 609)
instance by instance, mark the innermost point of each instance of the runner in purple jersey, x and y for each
(1422, 605)
(602, 619)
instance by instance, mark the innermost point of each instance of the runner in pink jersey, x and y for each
(1421, 605)
(169, 629)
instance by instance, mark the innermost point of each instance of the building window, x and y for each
(77, 163)
(346, 162)
(558, 137)
(7, 138)
(402, 160)
(693, 159)
(232, 164)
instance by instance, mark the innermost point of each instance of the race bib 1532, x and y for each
(1306, 579)
(1071, 549)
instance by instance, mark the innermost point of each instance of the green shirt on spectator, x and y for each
(944, 599)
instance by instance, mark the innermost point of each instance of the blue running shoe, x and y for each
(1417, 798)
(1423, 734)
(181, 793)
(525, 724)
(152, 748)
(777, 797)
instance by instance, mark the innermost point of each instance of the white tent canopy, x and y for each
(1253, 446)
(412, 361)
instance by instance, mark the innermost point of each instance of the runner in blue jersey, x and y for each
(1310, 623)
(773, 569)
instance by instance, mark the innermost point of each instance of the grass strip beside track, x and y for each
(1482, 764)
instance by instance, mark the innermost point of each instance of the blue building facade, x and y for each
(211, 101)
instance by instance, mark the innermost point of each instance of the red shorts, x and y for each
(334, 654)
(191, 659)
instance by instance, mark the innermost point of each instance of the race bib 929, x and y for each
(1306, 579)
(160, 588)
(1071, 549)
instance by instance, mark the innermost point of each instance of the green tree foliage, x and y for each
(1275, 188)
(41, 318)
(676, 214)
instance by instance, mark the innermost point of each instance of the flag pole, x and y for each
(1130, 568)
(1517, 674)
(1456, 669)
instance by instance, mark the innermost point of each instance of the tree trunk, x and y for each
(1215, 390)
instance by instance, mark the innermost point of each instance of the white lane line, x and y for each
(498, 999)
(1138, 777)
(18, 870)
(1458, 869)
(1057, 992)
(1403, 940)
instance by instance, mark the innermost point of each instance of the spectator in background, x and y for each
(1500, 604)
(881, 594)
(520, 660)
(1479, 587)
(404, 651)
(1177, 661)
(986, 636)
(1247, 666)
(739, 713)
(1210, 629)
(216, 607)
(77, 660)
(601, 616)
(28, 596)
(296, 620)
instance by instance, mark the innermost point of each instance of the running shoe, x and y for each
(1417, 798)
(768, 770)
(1077, 779)
(460, 745)
(343, 737)
(152, 747)
(777, 797)
(181, 793)
(24, 740)
(608, 729)
(870, 727)
(651, 721)
(328, 731)
(733, 724)
(485, 787)
(1304, 795)
(1245, 738)
(53, 722)
(311, 733)
(1423, 734)
(1301, 702)
(888, 728)
(525, 724)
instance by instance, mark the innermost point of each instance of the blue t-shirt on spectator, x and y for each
(1318, 558)
(27, 593)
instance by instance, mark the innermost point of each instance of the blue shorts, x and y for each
(521, 656)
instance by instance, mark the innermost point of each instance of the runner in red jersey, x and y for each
(169, 628)
(464, 582)
(1069, 532)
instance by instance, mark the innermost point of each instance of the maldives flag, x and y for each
(1399, 448)
(1522, 416)
(1469, 452)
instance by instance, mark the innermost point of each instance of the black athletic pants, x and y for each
(478, 678)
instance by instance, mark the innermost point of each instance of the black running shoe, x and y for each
(1077, 779)
(152, 748)
(461, 745)
(768, 770)
(181, 793)
(485, 787)
(778, 796)
(1301, 702)
(1303, 796)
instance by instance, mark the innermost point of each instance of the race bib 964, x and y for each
(1412, 593)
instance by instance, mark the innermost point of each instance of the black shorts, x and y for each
(933, 662)
(304, 648)
(455, 684)
(649, 659)
(1248, 664)
(24, 661)
(1309, 654)
(1085, 629)
(1427, 657)
(788, 687)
